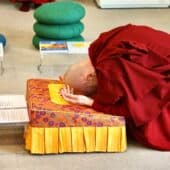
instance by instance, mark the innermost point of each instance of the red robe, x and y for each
(132, 64)
(25, 6)
(34, 1)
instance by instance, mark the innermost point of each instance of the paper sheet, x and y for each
(54, 91)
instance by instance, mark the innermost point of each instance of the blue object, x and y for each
(3, 39)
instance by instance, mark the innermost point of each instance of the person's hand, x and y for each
(68, 95)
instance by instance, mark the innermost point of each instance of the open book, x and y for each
(13, 109)
(69, 47)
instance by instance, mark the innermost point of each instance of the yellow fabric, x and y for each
(75, 139)
(123, 140)
(38, 136)
(51, 140)
(27, 136)
(78, 144)
(101, 139)
(114, 145)
(65, 140)
(54, 91)
(90, 138)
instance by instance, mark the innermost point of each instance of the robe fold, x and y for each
(33, 1)
(26, 4)
(132, 64)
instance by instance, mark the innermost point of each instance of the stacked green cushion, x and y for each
(62, 12)
(58, 21)
(58, 31)
(36, 40)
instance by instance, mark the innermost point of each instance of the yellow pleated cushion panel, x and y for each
(78, 144)
(124, 140)
(27, 137)
(51, 140)
(101, 139)
(75, 139)
(37, 140)
(114, 139)
(90, 138)
(65, 144)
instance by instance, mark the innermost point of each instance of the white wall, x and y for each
(132, 3)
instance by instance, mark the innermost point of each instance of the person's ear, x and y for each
(90, 77)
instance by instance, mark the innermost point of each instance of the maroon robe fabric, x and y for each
(26, 4)
(33, 1)
(132, 64)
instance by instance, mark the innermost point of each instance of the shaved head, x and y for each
(81, 76)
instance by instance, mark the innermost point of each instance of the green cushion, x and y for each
(36, 39)
(58, 31)
(63, 12)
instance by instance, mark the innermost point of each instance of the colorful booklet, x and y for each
(53, 47)
(55, 96)
(70, 47)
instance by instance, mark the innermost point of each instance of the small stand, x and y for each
(13, 110)
(61, 47)
(40, 64)
(1, 58)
